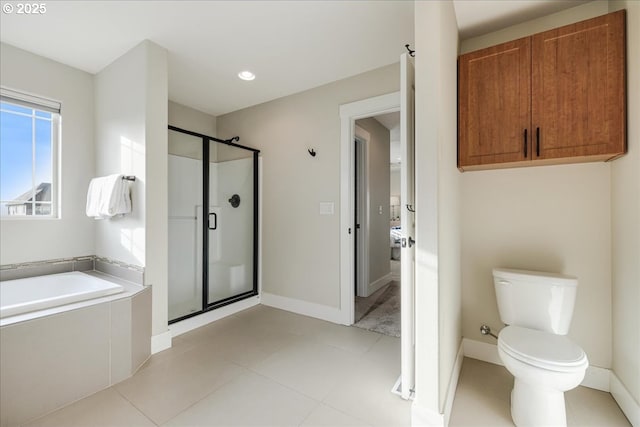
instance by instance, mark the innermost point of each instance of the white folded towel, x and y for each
(108, 196)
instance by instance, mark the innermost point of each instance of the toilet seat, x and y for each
(542, 349)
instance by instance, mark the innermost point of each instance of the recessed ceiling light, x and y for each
(246, 75)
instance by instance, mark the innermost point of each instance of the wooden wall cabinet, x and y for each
(554, 97)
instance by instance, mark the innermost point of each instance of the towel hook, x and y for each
(412, 53)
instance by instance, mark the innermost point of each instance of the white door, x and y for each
(407, 219)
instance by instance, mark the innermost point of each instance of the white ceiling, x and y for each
(290, 45)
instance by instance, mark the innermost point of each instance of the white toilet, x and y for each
(537, 307)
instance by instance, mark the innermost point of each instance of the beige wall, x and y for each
(131, 138)
(379, 181)
(625, 217)
(301, 248)
(157, 187)
(437, 190)
(549, 218)
(449, 194)
(73, 233)
(120, 148)
(191, 119)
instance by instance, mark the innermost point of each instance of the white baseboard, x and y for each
(374, 286)
(421, 416)
(191, 323)
(625, 401)
(481, 351)
(453, 384)
(595, 377)
(160, 342)
(323, 312)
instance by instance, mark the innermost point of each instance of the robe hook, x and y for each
(412, 53)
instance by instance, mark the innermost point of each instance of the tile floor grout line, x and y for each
(215, 390)
(133, 404)
(309, 414)
(285, 386)
(165, 362)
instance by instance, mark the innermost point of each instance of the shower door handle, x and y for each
(215, 221)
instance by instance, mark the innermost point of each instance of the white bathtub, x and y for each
(71, 349)
(41, 292)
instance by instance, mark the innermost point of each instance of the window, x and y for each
(29, 134)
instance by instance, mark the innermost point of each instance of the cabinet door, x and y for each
(578, 90)
(494, 101)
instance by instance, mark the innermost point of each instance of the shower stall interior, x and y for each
(213, 223)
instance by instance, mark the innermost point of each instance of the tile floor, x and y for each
(270, 367)
(483, 393)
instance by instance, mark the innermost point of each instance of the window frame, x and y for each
(37, 103)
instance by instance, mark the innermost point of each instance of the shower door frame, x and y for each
(206, 143)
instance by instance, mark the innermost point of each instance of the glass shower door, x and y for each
(232, 223)
(185, 235)
(213, 223)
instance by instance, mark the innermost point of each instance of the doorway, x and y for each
(213, 223)
(377, 226)
(349, 114)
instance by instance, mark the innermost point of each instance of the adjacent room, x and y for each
(320, 213)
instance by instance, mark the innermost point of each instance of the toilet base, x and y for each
(537, 406)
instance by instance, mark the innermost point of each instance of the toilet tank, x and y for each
(535, 300)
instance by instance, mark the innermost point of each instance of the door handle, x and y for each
(404, 242)
(525, 144)
(215, 221)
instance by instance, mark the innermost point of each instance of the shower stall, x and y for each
(213, 223)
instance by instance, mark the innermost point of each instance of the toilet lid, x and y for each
(543, 349)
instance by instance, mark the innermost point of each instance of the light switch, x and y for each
(326, 208)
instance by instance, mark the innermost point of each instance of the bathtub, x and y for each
(71, 334)
(38, 293)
